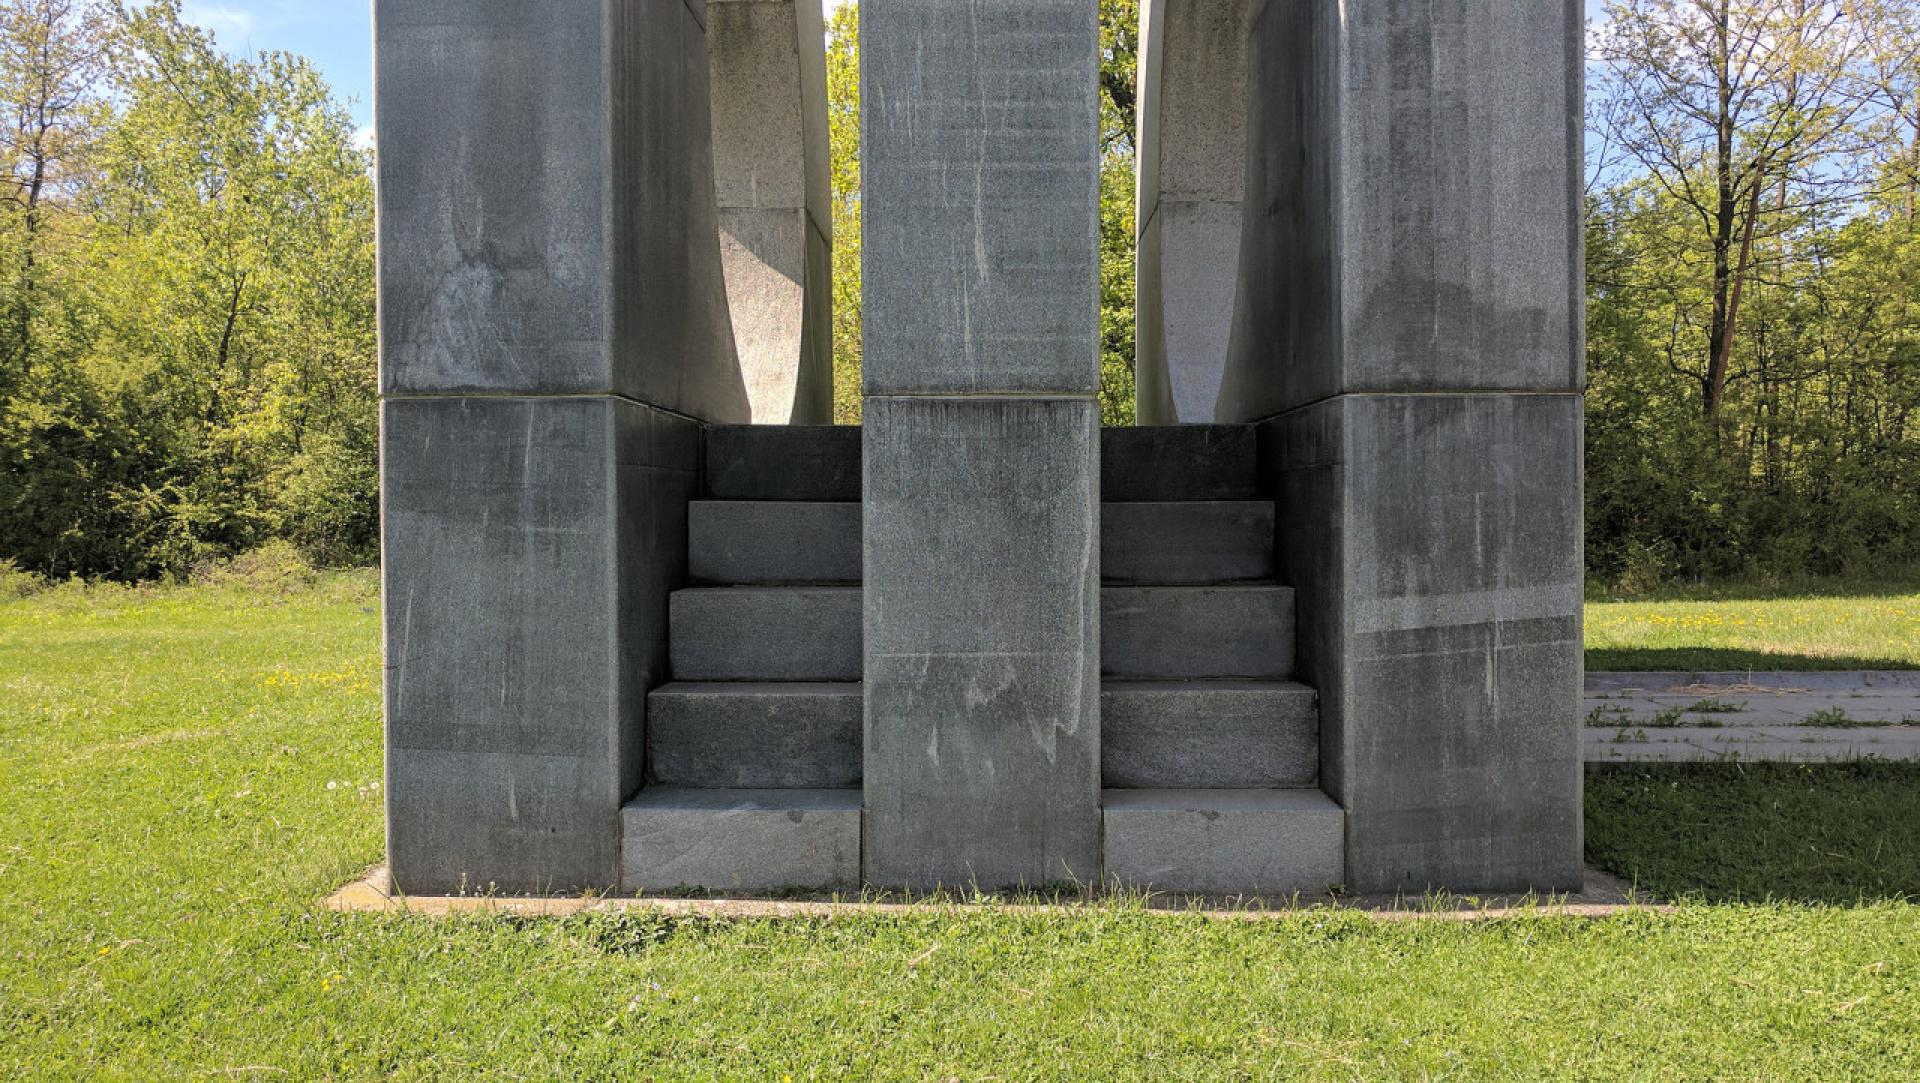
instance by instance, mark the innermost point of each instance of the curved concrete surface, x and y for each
(1192, 153)
(769, 96)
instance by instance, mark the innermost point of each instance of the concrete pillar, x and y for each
(552, 315)
(981, 193)
(770, 150)
(1192, 158)
(1410, 335)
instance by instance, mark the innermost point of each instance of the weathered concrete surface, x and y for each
(980, 130)
(1414, 202)
(1192, 144)
(980, 196)
(1178, 633)
(1436, 544)
(774, 542)
(1874, 697)
(766, 634)
(766, 735)
(1786, 744)
(741, 840)
(529, 547)
(550, 227)
(1208, 734)
(1223, 841)
(1409, 334)
(982, 642)
(769, 102)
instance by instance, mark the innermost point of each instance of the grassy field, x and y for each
(185, 773)
(1813, 625)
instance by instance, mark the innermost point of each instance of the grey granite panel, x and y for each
(980, 136)
(550, 227)
(1194, 542)
(1447, 645)
(741, 840)
(1256, 842)
(1208, 734)
(528, 548)
(1414, 202)
(982, 634)
(766, 634)
(774, 542)
(775, 736)
(1167, 633)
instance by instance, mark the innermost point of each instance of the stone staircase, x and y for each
(1210, 750)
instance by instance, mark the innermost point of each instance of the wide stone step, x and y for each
(1219, 541)
(1179, 462)
(740, 840)
(773, 542)
(759, 736)
(783, 462)
(1209, 734)
(1182, 633)
(1253, 842)
(765, 634)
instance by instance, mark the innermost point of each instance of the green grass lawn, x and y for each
(1816, 625)
(185, 773)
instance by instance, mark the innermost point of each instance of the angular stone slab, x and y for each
(1224, 841)
(766, 634)
(1208, 734)
(982, 758)
(548, 225)
(980, 136)
(1179, 462)
(765, 542)
(1181, 633)
(783, 462)
(740, 840)
(515, 677)
(754, 735)
(1186, 543)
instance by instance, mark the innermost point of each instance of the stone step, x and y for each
(1208, 734)
(773, 542)
(770, 542)
(740, 840)
(760, 736)
(1184, 633)
(783, 462)
(1178, 462)
(1201, 541)
(765, 634)
(1147, 633)
(1223, 842)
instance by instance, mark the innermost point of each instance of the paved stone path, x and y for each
(1799, 717)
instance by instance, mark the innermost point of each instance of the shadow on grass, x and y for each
(1724, 832)
(1725, 659)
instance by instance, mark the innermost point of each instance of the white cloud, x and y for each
(364, 138)
(226, 22)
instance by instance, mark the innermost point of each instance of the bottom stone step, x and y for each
(1252, 842)
(740, 840)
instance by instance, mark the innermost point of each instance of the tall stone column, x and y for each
(553, 321)
(1410, 333)
(981, 440)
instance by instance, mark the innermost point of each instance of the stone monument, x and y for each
(650, 624)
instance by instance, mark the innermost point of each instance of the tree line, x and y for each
(187, 288)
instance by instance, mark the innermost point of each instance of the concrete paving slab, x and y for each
(1859, 699)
